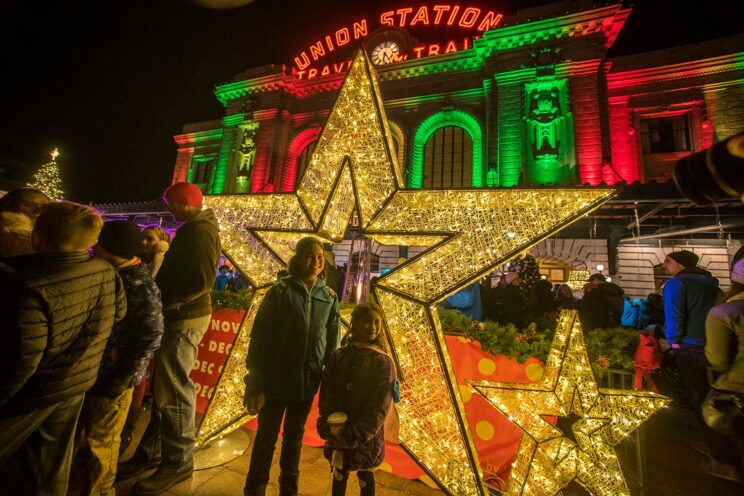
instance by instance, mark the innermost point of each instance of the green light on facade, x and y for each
(452, 117)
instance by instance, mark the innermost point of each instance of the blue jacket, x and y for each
(688, 296)
(293, 336)
(467, 301)
(630, 314)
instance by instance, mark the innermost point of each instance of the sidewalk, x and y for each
(673, 468)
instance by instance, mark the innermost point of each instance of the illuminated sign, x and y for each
(308, 63)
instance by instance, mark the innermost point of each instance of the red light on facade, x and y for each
(421, 16)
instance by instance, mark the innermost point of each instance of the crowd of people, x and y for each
(700, 327)
(97, 313)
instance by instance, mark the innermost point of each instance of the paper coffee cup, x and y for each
(337, 421)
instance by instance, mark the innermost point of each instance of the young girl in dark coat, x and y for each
(358, 382)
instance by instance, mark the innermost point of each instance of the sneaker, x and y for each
(136, 465)
(162, 480)
(720, 470)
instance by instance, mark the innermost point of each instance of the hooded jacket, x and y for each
(724, 349)
(136, 337)
(15, 234)
(359, 382)
(190, 268)
(56, 313)
(688, 296)
(294, 333)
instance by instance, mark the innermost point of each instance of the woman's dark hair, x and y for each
(301, 250)
(9, 202)
(360, 311)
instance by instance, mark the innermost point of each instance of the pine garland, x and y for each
(608, 348)
(232, 300)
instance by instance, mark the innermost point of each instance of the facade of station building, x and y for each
(521, 101)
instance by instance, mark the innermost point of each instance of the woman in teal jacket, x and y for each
(295, 331)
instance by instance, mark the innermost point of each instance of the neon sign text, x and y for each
(452, 15)
(418, 52)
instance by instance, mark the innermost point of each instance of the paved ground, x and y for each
(672, 467)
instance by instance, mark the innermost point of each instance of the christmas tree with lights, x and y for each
(47, 179)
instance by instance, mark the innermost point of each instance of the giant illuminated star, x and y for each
(468, 232)
(549, 458)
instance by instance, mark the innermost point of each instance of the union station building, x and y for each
(529, 100)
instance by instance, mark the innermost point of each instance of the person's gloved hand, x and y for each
(254, 402)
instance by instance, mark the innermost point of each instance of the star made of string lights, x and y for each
(467, 232)
(549, 457)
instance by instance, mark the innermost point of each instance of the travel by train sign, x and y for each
(315, 60)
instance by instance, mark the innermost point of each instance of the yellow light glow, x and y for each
(351, 168)
(547, 460)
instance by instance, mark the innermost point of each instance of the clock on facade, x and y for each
(385, 52)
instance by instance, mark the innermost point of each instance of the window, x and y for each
(448, 158)
(665, 134)
(202, 170)
(303, 160)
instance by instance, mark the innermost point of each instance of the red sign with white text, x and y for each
(213, 351)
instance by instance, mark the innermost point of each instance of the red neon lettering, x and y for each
(386, 18)
(419, 51)
(338, 68)
(342, 37)
(440, 9)
(421, 16)
(469, 16)
(329, 42)
(312, 73)
(455, 10)
(403, 13)
(348, 64)
(451, 47)
(434, 49)
(302, 61)
(326, 71)
(360, 29)
(299, 74)
(490, 21)
(317, 51)
(465, 43)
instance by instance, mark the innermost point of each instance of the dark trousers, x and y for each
(270, 417)
(366, 483)
(46, 436)
(693, 371)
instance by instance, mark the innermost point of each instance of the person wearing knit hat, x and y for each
(184, 193)
(120, 238)
(689, 295)
(679, 260)
(185, 279)
(133, 341)
(724, 331)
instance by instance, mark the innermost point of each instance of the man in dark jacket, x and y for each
(185, 280)
(133, 341)
(688, 297)
(56, 311)
(602, 304)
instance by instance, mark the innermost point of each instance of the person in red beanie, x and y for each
(185, 280)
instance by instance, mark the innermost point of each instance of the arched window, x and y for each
(448, 155)
(298, 156)
(447, 152)
(302, 160)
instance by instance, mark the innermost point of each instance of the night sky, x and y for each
(110, 83)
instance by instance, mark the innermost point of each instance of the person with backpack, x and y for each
(295, 331)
